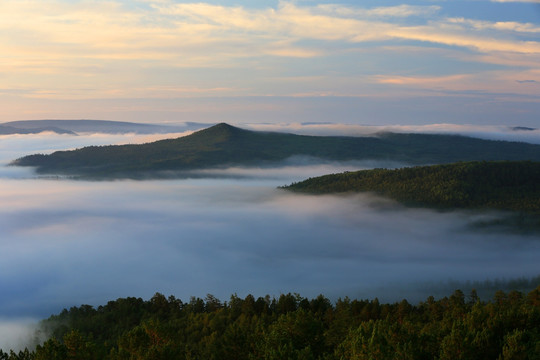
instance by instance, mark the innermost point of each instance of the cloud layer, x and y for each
(68, 243)
(489, 132)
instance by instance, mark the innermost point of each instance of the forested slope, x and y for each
(293, 327)
(504, 185)
(223, 145)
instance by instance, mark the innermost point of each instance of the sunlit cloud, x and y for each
(496, 82)
(168, 30)
(388, 11)
(404, 80)
(499, 25)
(459, 37)
(167, 50)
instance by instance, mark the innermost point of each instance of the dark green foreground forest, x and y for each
(292, 327)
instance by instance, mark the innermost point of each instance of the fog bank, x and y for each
(67, 243)
(19, 334)
(70, 243)
(488, 132)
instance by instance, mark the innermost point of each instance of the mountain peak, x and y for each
(221, 130)
(224, 126)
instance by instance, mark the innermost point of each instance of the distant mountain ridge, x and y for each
(95, 126)
(12, 130)
(522, 128)
(224, 145)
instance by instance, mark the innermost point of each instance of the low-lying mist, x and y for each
(18, 334)
(66, 243)
(488, 132)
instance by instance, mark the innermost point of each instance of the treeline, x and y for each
(294, 327)
(504, 185)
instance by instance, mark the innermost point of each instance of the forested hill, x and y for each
(293, 327)
(506, 185)
(223, 145)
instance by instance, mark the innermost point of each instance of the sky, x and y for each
(355, 62)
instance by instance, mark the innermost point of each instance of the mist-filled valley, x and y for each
(70, 242)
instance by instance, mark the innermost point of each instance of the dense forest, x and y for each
(224, 145)
(293, 327)
(504, 185)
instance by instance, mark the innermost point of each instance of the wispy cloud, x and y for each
(499, 25)
(458, 36)
(333, 22)
(400, 11)
(497, 82)
(407, 80)
(166, 49)
(124, 33)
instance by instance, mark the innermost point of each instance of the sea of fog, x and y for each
(65, 243)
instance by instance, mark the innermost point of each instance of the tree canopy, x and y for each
(504, 185)
(459, 326)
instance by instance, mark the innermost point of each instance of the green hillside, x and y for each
(505, 185)
(223, 145)
(293, 327)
